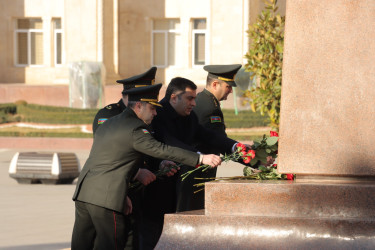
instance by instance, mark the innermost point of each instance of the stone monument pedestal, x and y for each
(326, 139)
(276, 215)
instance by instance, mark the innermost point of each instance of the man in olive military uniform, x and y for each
(144, 176)
(147, 78)
(119, 148)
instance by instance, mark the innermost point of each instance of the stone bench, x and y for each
(44, 167)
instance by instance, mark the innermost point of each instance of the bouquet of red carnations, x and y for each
(241, 154)
(259, 161)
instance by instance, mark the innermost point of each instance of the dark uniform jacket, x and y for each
(116, 154)
(107, 112)
(209, 116)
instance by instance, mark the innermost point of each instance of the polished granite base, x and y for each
(276, 215)
(291, 198)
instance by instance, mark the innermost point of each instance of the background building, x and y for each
(42, 38)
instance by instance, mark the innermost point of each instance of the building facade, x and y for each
(42, 38)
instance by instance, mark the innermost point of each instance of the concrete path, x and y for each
(38, 216)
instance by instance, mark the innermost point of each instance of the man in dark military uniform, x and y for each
(147, 78)
(178, 126)
(119, 148)
(219, 84)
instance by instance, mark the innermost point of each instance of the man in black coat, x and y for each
(177, 125)
(118, 150)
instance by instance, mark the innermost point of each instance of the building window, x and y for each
(166, 42)
(199, 47)
(57, 38)
(29, 41)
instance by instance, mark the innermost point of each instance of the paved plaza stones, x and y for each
(41, 217)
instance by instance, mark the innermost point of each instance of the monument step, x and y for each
(194, 230)
(290, 198)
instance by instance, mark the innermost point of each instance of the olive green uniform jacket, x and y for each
(107, 112)
(117, 153)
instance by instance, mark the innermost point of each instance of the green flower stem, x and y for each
(201, 167)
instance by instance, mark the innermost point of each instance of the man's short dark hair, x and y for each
(179, 84)
(209, 80)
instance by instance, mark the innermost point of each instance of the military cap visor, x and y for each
(148, 94)
(225, 73)
(145, 79)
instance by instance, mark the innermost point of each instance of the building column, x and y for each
(47, 48)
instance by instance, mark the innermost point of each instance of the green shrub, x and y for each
(64, 115)
(244, 119)
(56, 115)
(265, 59)
(8, 108)
(20, 102)
(23, 112)
(8, 113)
(45, 134)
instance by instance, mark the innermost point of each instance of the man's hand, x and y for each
(212, 160)
(145, 176)
(270, 160)
(129, 206)
(249, 146)
(165, 165)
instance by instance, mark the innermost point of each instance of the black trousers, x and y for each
(159, 199)
(187, 199)
(97, 228)
(133, 220)
(150, 231)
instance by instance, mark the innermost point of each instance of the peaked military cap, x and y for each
(145, 79)
(226, 73)
(148, 94)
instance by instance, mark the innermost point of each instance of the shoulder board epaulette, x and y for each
(111, 106)
(216, 104)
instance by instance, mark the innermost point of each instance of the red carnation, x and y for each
(247, 159)
(251, 153)
(290, 176)
(274, 165)
(241, 147)
(274, 133)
